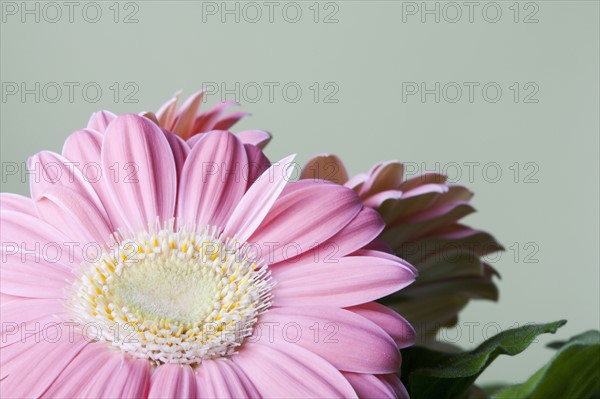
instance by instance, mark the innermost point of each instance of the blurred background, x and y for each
(502, 96)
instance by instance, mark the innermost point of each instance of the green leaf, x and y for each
(556, 344)
(431, 374)
(573, 372)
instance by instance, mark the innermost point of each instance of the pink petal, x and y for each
(343, 338)
(258, 200)
(206, 121)
(391, 322)
(377, 386)
(33, 279)
(17, 203)
(167, 113)
(20, 316)
(120, 377)
(36, 237)
(393, 381)
(173, 381)
(187, 115)
(195, 139)
(363, 229)
(179, 148)
(356, 182)
(36, 261)
(84, 148)
(53, 170)
(386, 176)
(30, 367)
(379, 253)
(149, 115)
(100, 120)
(229, 120)
(146, 186)
(282, 370)
(258, 138)
(349, 281)
(211, 181)
(74, 215)
(258, 163)
(5, 298)
(98, 372)
(305, 218)
(223, 378)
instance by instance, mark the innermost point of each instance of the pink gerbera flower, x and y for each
(422, 226)
(192, 271)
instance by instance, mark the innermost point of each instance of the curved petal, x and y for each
(36, 258)
(36, 237)
(257, 138)
(167, 113)
(379, 199)
(206, 121)
(179, 148)
(282, 370)
(74, 215)
(50, 170)
(410, 203)
(424, 178)
(391, 322)
(20, 316)
(325, 167)
(84, 149)
(145, 187)
(343, 338)
(224, 379)
(386, 176)
(356, 182)
(363, 229)
(98, 372)
(373, 250)
(99, 121)
(377, 386)
(187, 114)
(17, 203)
(258, 200)
(229, 120)
(211, 182)
(32, 279)
(30, 367)
(195, 139)
(173, 381)
(258, 163)
(305, 218)
(348, 281)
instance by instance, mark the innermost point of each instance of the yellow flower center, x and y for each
(172, 296)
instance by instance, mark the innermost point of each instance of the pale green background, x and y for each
(368, 54)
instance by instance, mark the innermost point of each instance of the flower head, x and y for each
(192, 269)
(422, 216)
